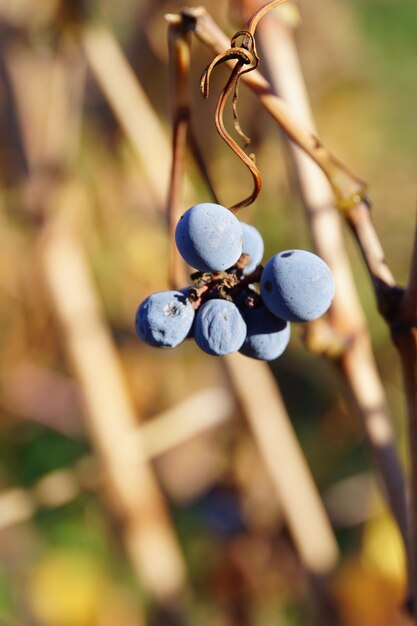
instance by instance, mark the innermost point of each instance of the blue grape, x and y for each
(267, 335)
(253, 245)
(186, 293)
(164, 319)
(297, 286)
(219, 327)
(209, 237)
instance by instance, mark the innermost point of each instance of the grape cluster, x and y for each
(234, 303)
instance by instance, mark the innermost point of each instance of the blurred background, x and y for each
(132, 488)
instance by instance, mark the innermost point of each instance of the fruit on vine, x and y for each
(267, 335)
(219, 327)
(164, 319)
(253, 246)
(209, 237)
(297, 285)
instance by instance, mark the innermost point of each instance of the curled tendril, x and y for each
(247, 60)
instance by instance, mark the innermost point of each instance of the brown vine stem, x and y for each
(401, 315)
(349, 190)
(259, 14)
(179, 64)
(182, 136)
(357, 215)
(410, 299)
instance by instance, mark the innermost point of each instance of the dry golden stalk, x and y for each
(133, 492)
(131, 487)
(270, 425)
(40, 121)
(357, 215)
(131, 107)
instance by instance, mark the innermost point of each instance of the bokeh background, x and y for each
(83, 237)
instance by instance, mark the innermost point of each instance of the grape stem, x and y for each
(224, 284)
(179, 61)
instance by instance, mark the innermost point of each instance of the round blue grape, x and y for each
(209, 237)
(267, 335)
(219, 327)
(253, 245)
(164, 319)
(297, 286)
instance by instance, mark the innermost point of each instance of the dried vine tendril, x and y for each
(247, 60)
